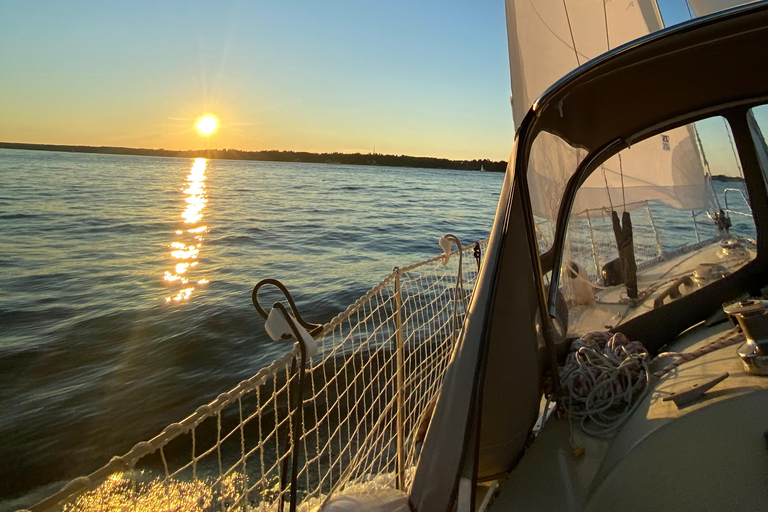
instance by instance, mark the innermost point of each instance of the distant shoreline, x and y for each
(278, 156)
(722, 177)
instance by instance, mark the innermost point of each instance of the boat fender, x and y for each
(445, 245)
(277, 328)
(583, 291)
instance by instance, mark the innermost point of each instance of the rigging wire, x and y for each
(570, 29)
(605, 17)
(706, 164)
(623, 194)
(688, 7)
(607, 188)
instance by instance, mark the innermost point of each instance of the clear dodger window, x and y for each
(655, 222)
(551, 164)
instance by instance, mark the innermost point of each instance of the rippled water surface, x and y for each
(125, 284)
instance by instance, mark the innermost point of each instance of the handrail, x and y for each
(743, 196)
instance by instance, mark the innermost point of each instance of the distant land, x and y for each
(722, 177)
(279, 156)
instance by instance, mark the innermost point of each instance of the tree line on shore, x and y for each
(280, 156)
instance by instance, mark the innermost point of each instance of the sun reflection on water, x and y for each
(186, 249)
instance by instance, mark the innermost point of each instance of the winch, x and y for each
(752, 317)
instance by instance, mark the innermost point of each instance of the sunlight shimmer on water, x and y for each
(187, 250)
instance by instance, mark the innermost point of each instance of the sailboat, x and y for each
(581, 358)
(635, 431)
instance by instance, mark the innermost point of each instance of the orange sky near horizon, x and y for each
(421, 80)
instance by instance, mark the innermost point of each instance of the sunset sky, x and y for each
(423, 78)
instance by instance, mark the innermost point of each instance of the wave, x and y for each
(13, 318)
(100, 361)
(231, 240)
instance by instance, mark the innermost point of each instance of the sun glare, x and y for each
(206, 125)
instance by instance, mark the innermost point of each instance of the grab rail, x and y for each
(743, 197)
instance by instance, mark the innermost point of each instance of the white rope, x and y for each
(604, 378)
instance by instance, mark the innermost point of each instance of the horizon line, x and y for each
(5, 145)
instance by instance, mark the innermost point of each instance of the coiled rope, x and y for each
(606, 377)
(603, 377)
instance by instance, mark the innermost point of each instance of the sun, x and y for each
(207, 124)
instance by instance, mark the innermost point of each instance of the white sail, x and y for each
(550, 39)
(665, 168)
(553, 37)
(704, 7)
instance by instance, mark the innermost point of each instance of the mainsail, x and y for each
(549, 39)
(704, 7)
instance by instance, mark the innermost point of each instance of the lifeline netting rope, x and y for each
(592, 243)
(231, 453)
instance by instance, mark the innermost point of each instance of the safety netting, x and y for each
(592, 242)
(354, 426)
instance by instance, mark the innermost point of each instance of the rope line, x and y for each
(606, 376)
(733, 337)
(603, 377)
(570, 30)
(605, 17)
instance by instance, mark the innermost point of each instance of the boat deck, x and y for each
(612, 307)
(710, 454)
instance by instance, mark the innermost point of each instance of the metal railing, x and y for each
(744, 198)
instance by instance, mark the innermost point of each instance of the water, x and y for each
(103, 343)
(117, 317)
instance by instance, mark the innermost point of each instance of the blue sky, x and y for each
(674, 11)
(421, 78)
